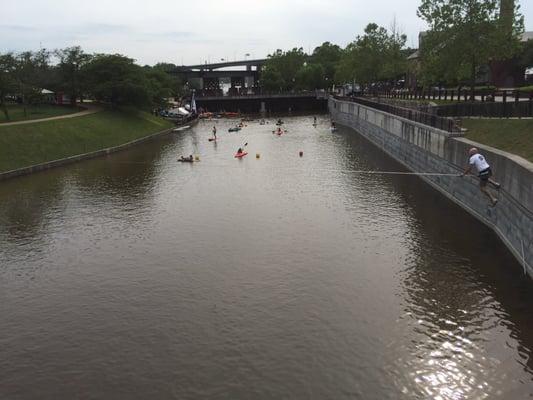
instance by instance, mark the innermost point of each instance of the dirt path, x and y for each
(90, 109)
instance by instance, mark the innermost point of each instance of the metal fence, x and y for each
(520, 109)
(486, 103)
(433, 120)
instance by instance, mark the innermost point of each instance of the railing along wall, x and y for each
(429, 119)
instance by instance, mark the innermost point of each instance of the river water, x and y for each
(279, 277)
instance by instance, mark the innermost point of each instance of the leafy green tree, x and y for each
(328, 56)
(465, 35)
(8, 83)
(25, 77)
(71, 61)
(376, 56)
(161, 85)
(310, 77)
(117, 80)
(283, 66)
(271, 79)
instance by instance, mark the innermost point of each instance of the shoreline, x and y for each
(86, 156)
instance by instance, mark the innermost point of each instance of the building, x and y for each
(509, 73)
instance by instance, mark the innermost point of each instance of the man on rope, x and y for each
(484, 173)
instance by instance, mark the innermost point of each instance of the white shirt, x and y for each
(479, 161)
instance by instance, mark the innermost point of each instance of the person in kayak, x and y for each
(314, 120)
(240, 151)
(280, 122)
(484, 173)
(187, 159)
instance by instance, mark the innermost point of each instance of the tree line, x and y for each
(463, 38)
(378, 55)
(110, 78)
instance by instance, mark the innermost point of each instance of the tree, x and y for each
(283, 66)
(7, 79)
(117, 80)
(464, 35)
(25, 76)
(373, 57)
(71, 61)
(310, 77)
(161, 85)
(328, 56)
(271, 79)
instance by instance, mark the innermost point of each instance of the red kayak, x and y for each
(240, 155)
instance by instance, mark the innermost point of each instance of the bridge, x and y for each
(208, 79)
(265, 102)
(225, 64)
(244, 92)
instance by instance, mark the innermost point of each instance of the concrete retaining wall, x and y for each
(424, 149)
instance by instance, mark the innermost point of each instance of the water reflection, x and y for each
(454, 298)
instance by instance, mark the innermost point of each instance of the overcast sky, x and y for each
(191, 32)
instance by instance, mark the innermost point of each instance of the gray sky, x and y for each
(191, 32)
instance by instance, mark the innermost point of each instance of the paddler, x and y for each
(240, 151)
(215, 132)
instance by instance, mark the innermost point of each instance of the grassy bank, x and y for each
(24, 145)
(16, 112)
(512, 135)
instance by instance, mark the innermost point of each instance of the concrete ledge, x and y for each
(79, 157)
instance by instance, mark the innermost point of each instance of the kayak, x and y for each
(180, 160)
(240, 155)
(212, 140)
(236, 129)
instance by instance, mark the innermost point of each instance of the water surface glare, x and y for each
(137, 277)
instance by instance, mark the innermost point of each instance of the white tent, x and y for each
(178, 111)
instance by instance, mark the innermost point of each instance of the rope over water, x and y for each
(367, 172)
(399, 173)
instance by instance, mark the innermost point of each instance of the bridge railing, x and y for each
(256, 91)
